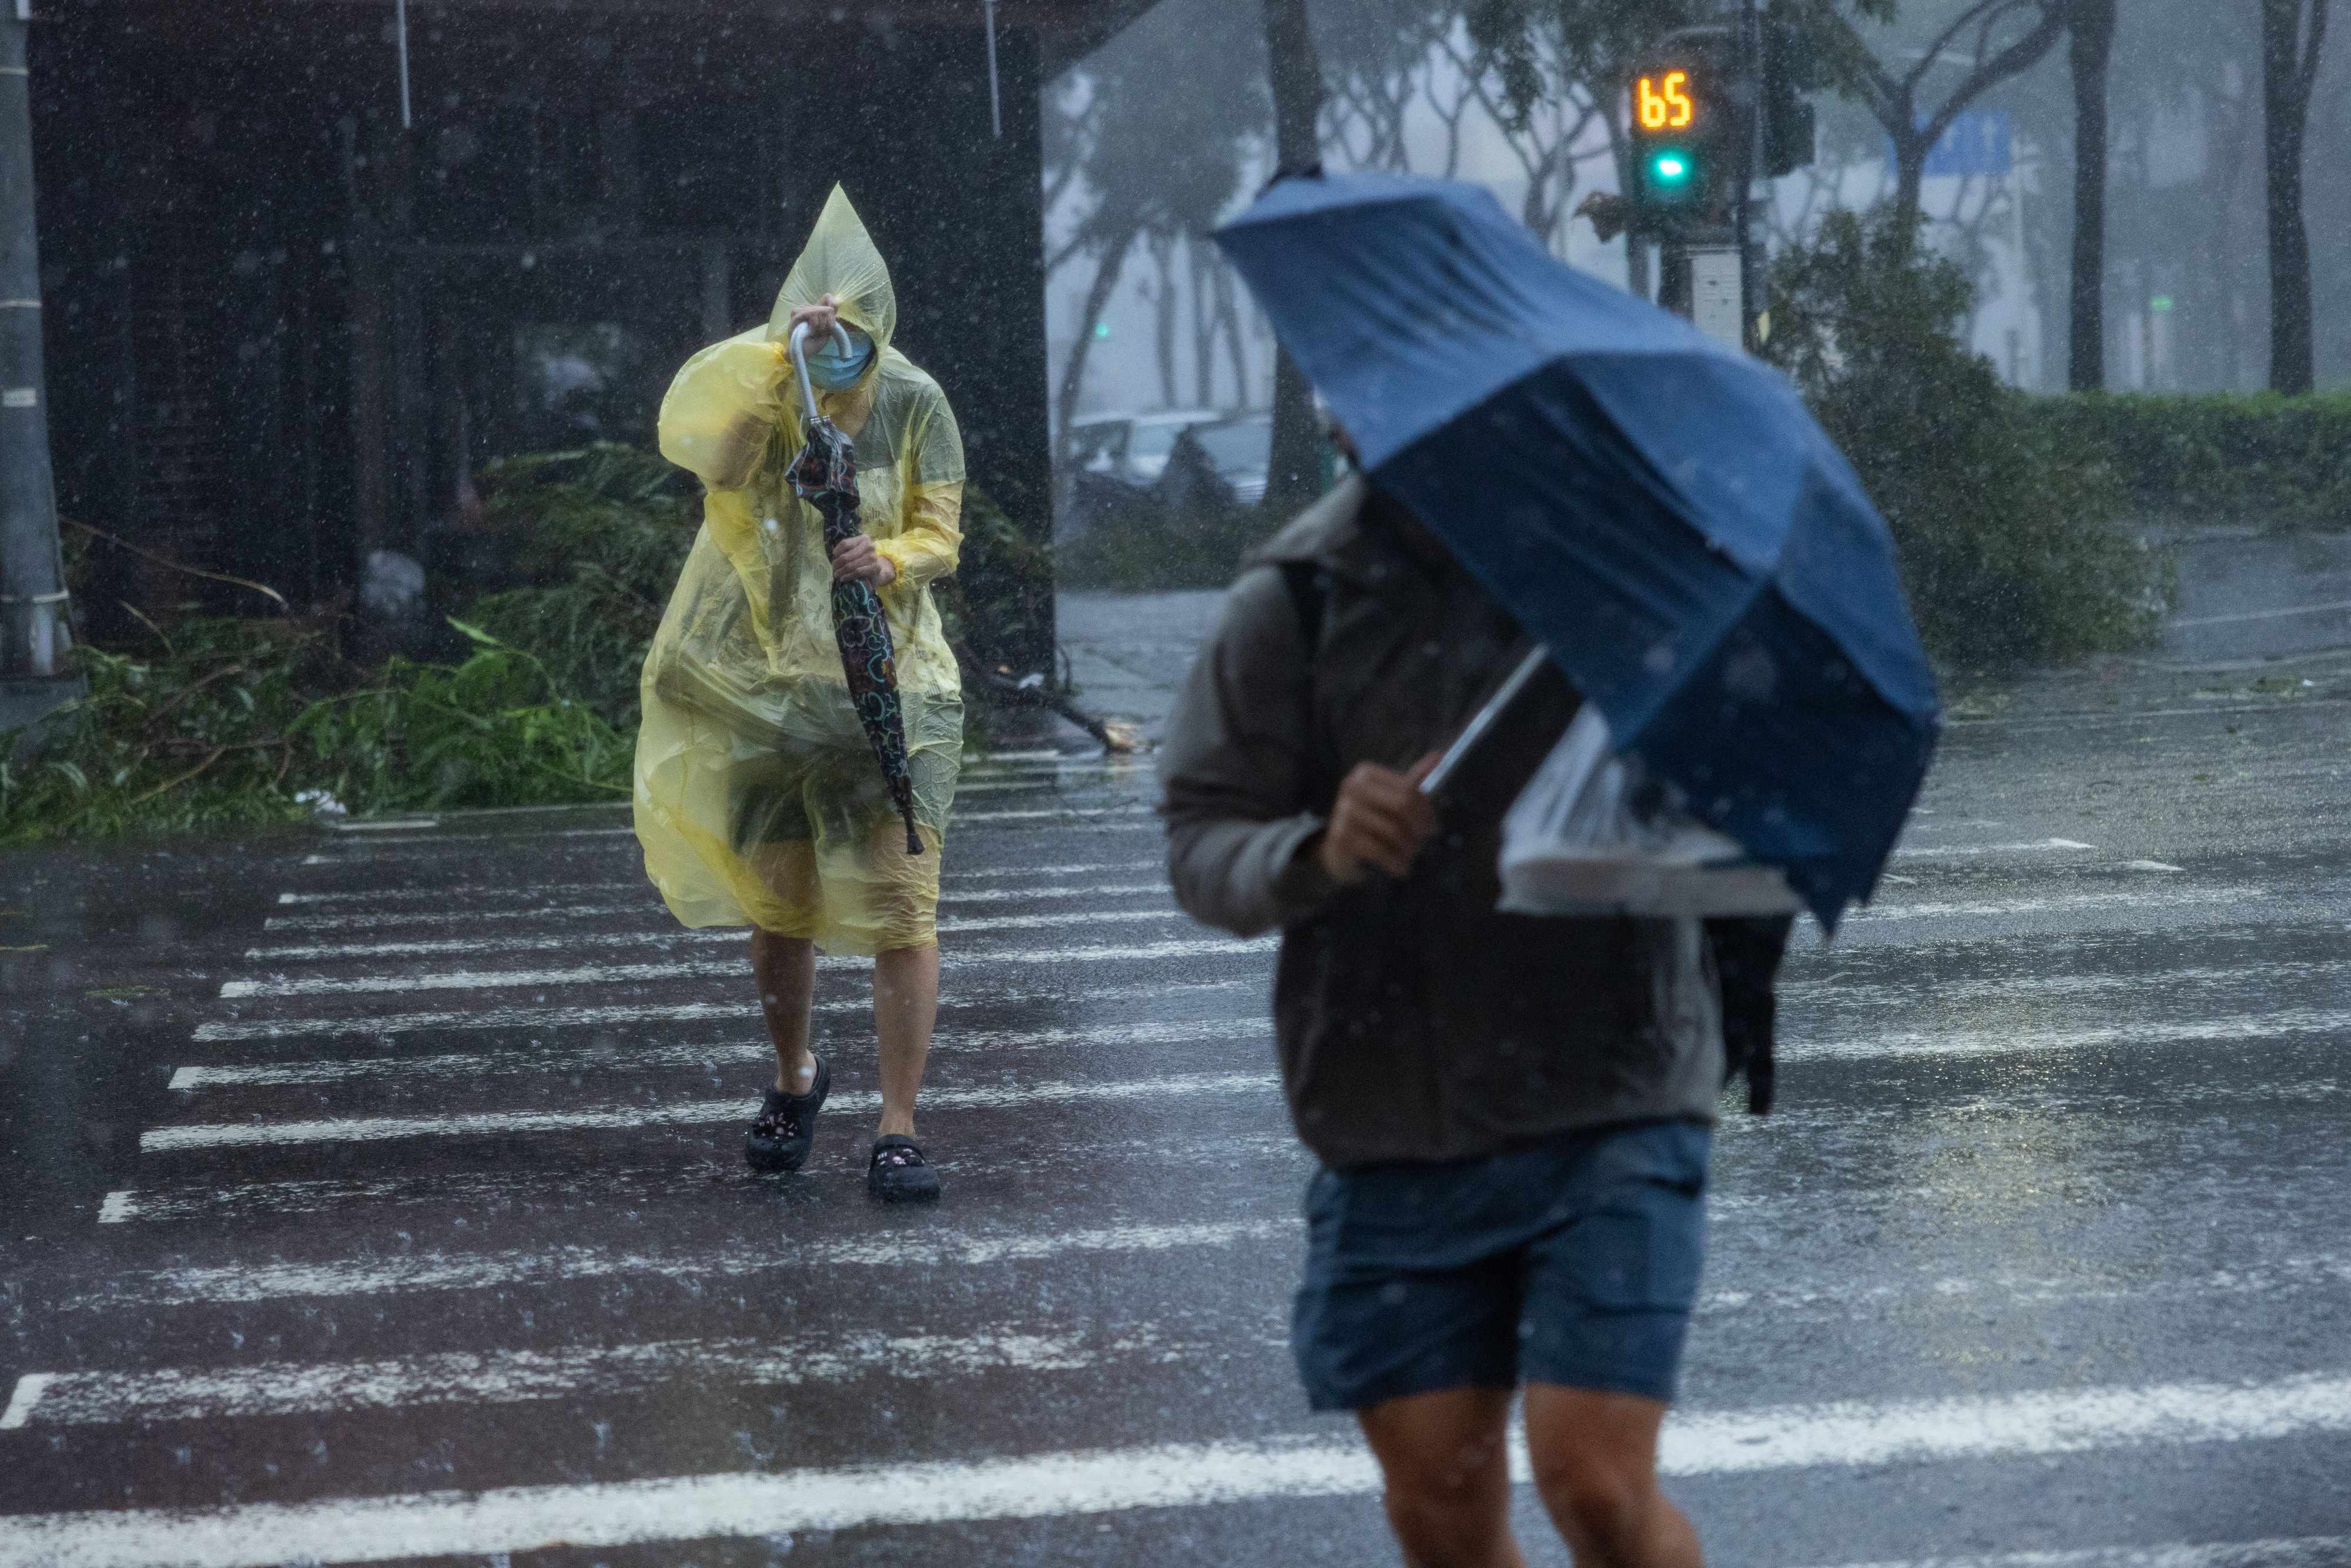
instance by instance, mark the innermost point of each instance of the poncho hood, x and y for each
(841, 259)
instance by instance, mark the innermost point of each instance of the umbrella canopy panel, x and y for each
(1662, 512)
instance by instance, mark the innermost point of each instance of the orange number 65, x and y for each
(1669, 110)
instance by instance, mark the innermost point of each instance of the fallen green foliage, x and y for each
(608, 527)
(187, 733)
(2007, 530)
(496, 730)
(2220, 458)
(213, 726)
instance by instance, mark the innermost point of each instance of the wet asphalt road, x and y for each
(378, 1196)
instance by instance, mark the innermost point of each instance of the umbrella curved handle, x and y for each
(798, 347)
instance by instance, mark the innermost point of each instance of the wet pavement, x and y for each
(377, 1196)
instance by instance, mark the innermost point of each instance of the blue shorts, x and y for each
(1573, 1262)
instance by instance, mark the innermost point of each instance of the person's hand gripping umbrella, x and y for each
(825, 475)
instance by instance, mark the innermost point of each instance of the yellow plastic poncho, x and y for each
(758, 797)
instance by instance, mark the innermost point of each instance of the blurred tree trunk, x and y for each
(1204, 323)
(1073, 371)
(2091, 29)
(1228, 315)
(1163, 317)
(2289, 68)
(1292, 475)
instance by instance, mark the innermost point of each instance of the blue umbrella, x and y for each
(1661, 512)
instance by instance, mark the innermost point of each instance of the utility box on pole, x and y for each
(36, 629)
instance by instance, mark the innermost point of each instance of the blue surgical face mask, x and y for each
(832, 370)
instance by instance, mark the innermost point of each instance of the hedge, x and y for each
(2224, 457)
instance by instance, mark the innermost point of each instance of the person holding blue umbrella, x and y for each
(1512, 1110)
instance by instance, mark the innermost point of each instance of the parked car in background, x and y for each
(1241, 452)
(1132, 447)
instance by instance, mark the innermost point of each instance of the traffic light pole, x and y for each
(1706, 268)
(1754, 324)
(35, 629)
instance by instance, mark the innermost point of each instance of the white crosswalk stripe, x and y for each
(614, 974)
(618, 1513)
(524, 1020)
(640, 1057)
(577, 1118)
(517, 1376)
(574, 940)
(364, 1277)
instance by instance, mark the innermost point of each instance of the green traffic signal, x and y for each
(1671, 176)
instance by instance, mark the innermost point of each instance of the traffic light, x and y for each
(1790, 70)
(1686, 134)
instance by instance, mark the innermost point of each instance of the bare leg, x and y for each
(1595, 1463)
(785, 968)
(905, 1005)
(1447, 1464)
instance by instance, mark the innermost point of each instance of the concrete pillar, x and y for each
(34, 630)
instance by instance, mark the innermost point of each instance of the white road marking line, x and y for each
(2304, 1551)
(542, 890)
(2070, 1421)
(2149, 865)
(211, 1201)
(576, 941)
(1990, 908)
(1047, 1485)
(688, 968)
(683, 1112)
(1104, 890)
(1080, 868)
(641, 1058)
(651, 904)
(378, 850)
(1057, 812)
(2263, 978)
(961, 923)
(380, 920)
(386, 1025)
(1956, 852)
(1947, 1043)
(30, 1389)
(2326, 609)
(1915, 1295)
(462, 891)
(482, 1270)
(118, 1206)
(1042, 782)
(518, 1377)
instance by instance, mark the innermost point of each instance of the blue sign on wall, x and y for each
(1977, 142)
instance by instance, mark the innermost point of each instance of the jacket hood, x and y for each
(1324, 533)
(841, 259)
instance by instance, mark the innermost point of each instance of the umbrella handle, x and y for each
(799, 351)
(1484, 719)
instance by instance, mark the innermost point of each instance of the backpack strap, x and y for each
(1747, 953)
(1309, 596)
(1310, 591)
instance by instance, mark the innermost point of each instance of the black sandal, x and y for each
(898, 1173)
(780, 1139)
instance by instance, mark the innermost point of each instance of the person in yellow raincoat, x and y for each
(758, 800)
